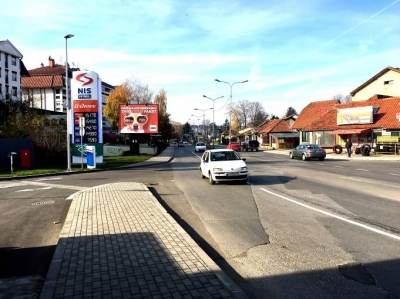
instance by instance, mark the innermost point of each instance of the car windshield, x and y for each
(200, 144)
(224, 156)
(312, 146)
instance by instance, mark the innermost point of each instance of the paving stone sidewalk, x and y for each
(118, 242)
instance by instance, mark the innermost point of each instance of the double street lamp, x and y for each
(213, 107)
(69, 117)
(231, 84)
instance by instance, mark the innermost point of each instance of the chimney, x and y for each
(51, 62)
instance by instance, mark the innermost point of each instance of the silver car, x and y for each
(308, 152)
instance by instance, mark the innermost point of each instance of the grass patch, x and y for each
(109, 162)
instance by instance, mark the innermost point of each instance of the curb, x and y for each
(140, 164)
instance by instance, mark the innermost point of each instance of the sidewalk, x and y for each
(118, 242)
(164, 157)
(343, 156)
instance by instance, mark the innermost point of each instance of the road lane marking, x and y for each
(49, 179)
(36, 189)
(344, 219)
(10, 185)
(71, 187)
(322, 164)
(362, 169)
(337, 166)
(196, 155)
(398, 174)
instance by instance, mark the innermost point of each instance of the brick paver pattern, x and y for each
(117, 242)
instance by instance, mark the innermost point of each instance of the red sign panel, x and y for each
(138, 118)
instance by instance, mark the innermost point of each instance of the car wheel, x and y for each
(291, 156)
(303, 157)
(321, 159)
(245, 181)
(202, 175)
(210, 179)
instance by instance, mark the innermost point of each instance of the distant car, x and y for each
(200, 147)
(185, 142)
(234, 146)
(307, 152)
(251, 145)
(223, 165)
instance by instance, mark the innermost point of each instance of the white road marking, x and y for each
(53, 185)
(398, 174)
(362, 169)
(337, 166)
(10, 185)
(71, 196)
(344, 219)
(35, 189)
(196, 155)
(322, 164)
(49, 179)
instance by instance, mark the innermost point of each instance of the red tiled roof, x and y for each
(312, 113)
(275, 125)
(385, 116)
(268, 126)
(42, 81)
(282, 126)
(47, 70)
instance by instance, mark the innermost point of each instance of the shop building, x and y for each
(329, 123)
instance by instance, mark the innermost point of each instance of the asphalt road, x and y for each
(298, 230)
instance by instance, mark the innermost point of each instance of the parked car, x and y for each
(234, 146)
(307, 152)
(200, 147)
(223, 165)
(251, 145)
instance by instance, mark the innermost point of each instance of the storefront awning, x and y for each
(350, 131)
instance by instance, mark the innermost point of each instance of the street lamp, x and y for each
(204, 117)
(68, 103)
(230, 98)
(213, 107)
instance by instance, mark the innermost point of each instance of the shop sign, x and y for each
(358, 115)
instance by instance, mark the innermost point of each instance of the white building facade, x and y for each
(10, 71)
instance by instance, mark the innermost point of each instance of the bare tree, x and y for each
(257, 114)
(141, 94)
(249, 113)
(342, 99)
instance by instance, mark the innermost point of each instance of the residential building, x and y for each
(386, 83)
(44, 87)
(278, 133)
(328, 123)
(10, 71)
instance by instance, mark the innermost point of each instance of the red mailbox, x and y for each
(25, 158)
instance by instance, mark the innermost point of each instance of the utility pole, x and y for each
(204, 118)
(69, 116)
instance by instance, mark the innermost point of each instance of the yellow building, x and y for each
(384, 83)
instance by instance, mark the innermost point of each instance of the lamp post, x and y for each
(230, 98)
(213, 107)
(204, 118)
(197, 117)
(68, 103)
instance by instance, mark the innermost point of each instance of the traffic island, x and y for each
(118, 241)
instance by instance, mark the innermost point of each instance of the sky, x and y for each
(291, 52)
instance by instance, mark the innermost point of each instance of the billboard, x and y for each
(358, 115)
(86, 102)
(138, 119)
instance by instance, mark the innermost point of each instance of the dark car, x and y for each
(308, 152)
(251, 145)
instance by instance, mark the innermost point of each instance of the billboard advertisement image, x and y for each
(138, 119)
(358, 115)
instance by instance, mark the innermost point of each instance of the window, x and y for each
(1, 89)
(388, 82)
(14, 91)
(305, 137)
(6, 61)
(0, 71)
(13, 60)
(57, 91)
(14, 76)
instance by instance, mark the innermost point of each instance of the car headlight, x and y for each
(217, 169)
(243, 168)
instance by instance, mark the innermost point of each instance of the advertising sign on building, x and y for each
(138, 119)
(357, 115)
(86, 103)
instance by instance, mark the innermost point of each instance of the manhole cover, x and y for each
(42, 203)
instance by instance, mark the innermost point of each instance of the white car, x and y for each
(200, 147)
(223, 165)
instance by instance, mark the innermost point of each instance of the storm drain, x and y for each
(42, 203)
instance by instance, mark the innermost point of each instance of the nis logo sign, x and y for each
(84, 92)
